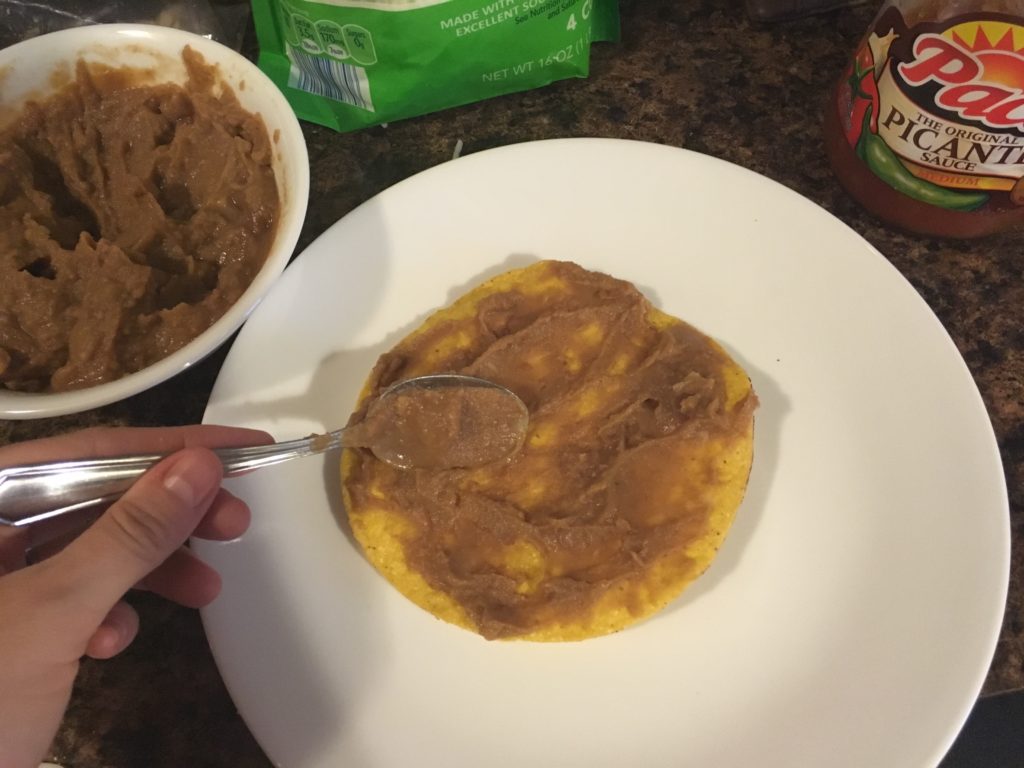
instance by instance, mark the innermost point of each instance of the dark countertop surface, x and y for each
(695, 74)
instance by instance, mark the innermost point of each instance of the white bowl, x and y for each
(28, 69)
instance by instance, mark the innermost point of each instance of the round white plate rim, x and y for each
(501, 156)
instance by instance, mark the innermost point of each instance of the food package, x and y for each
(350, 64)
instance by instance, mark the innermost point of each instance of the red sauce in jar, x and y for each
(925, 127)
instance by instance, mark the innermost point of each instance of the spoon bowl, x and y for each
(441, 421)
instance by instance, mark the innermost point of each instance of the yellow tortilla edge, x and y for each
(380, 536)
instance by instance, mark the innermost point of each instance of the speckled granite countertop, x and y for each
(688, 73)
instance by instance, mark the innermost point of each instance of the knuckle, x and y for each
(139, 529)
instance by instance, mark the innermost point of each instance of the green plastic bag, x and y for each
(349, 64)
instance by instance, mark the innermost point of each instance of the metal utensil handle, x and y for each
(35, 492)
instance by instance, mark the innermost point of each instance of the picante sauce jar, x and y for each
(925, 127)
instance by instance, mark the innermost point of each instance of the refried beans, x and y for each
(132, 216)
(597, 492)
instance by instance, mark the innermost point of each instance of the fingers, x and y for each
(142, 529)
(48, 537)
(185, 579)
(115, 632)
(227, 519)
(118, 441)
(182, 577)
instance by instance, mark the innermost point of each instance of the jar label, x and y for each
(937, 110)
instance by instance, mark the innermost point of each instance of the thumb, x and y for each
(142, 529)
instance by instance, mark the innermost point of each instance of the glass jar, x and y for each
(925, 127)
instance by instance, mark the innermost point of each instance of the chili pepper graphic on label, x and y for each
(887, 166)
(858, 92)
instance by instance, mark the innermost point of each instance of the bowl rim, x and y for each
(31, 405)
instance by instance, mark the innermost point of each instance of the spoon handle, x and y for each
(34, 492)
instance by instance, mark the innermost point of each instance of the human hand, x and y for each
(69, 603)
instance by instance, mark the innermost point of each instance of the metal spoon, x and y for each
(35, 492)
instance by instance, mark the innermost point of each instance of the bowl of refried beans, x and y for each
(153, 184)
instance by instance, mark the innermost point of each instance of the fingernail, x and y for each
(178, 484)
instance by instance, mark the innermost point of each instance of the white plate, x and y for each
(851, 616)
